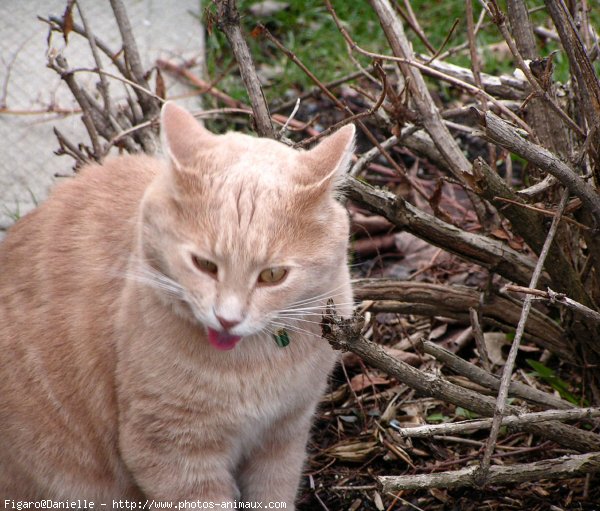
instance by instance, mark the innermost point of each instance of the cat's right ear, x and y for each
(182, 136)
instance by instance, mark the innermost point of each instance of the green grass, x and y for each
(15, 213)
(550, 377)
(306, 28)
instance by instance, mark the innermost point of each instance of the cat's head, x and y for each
(239, 228)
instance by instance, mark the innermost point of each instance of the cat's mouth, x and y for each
(222, 340)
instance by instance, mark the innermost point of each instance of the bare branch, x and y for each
(59, 64)
(503, 86)
(474, 314)
(554, 297)
(132, 54)
(491, 381)
(104, 89)
(430, 115)
(424, 298)
(588, 84)
(229, 23)
(559, 468)
(492, 254)
(150, 107)
(500, 21)
(469, 426)
(208, 88)
(505, 135)
(501, 404)
(530, 226)
(57, 22)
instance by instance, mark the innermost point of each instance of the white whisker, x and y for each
(313, 309)
(320, 306)
(303, 320)
(328, 294)
(325, 293)
(155, 279)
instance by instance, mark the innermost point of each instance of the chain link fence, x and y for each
(33, 100)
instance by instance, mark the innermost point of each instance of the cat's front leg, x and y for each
(272, 470)
(177, 465)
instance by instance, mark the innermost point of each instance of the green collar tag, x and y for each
(282, 339)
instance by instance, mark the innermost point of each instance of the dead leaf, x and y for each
(377, 500)
(210, 20)
(68, 20)
(494, 341)
(437, 332)
(407, 421)
(529, 349)
(362, 381)
(440, 495)
(540, 491)
(500, 233)
(434, 202)
(417, 253)
(257, 31)
(336, 396)
(160, 90)
(354, 451)
(355, 505)
(516, 245)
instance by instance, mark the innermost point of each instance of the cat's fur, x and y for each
(109, 388)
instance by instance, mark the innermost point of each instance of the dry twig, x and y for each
(229, 22)
(489, 253)
(491, 381)
(469, 426)
(559, 468)
(505, 135)
(345, 334)
(554, 297)
(501, 404)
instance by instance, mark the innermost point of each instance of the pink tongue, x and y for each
(222, 340)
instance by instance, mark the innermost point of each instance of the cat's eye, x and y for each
(205, 265)
(272, 275)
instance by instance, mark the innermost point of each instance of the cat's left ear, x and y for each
(182, 136)
(331, 157)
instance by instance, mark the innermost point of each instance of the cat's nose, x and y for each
(227, 324)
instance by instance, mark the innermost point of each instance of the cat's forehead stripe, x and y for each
(270, 174)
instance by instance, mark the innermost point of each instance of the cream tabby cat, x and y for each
(139, 311)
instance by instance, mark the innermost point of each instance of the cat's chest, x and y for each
(231, 390)
(274, 394)
(271, 388)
